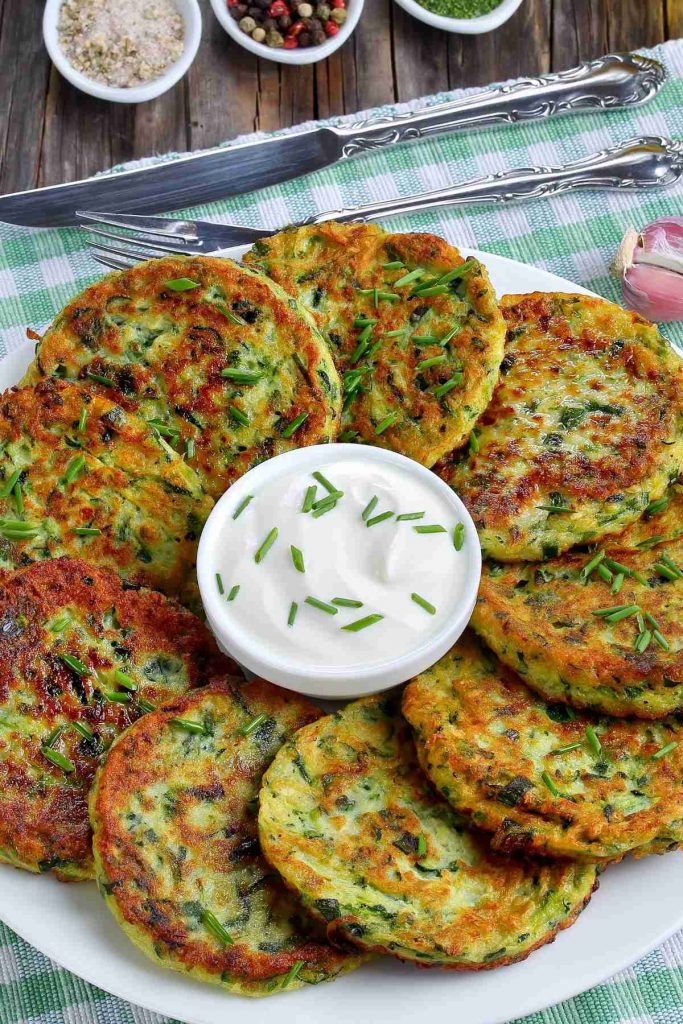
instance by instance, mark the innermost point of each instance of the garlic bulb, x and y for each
(650, 265)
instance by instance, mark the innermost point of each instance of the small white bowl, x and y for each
(465, 26)
(331, 682)
(191, 15)
(301, 55)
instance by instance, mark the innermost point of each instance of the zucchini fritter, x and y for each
(544, 779)
(80, 476)
(351, 823)
(225, 365)
(415, 329)
(82, 655)
(584, 430)
(176, 846)
(578, 633)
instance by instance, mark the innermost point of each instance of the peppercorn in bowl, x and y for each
(289, 31)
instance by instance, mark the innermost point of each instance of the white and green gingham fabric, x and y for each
(574, 236)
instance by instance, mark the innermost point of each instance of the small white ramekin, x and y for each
(191, 15)
(323, 681)
(307, 55)
(465, 26)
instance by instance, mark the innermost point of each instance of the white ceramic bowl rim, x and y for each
(301, 55)
(465, 26)
(372, 678)
(191, 15)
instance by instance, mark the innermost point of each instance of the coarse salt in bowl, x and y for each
(192, 18)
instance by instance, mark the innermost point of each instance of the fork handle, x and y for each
(649, 162)
(616, 80)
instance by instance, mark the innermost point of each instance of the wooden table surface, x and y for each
(49, 132)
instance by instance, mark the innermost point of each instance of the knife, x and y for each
(616, 80)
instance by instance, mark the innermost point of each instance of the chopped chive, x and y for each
(10, 484)
(124, 680)
(211, 922)
(190, 448)
(364, 321)
(82, 420)
(18, 498)
(393, 265)
(651, 542)
(593, 741)
(396, 333)
(464, 268)
(423, 603)
(232, 317)
(329, 487)
(640, 622)
(16, 525)
(643, 641)
(234, 591)
(387, 422)
(623, 613)
(117, 697)
(323, 507)
(602, 612)
(604, 573)
(75, 664)
(267, 544)
(59, 760)
(145, 705)
(443, 389)
(475, 446)
(651, 620)
(83, 730)
(19, 535)
(408, 278)
(430, 290)
(322, 606)
(671, 564)
(663, 751)
(618, 583)
(86, 531)
(663, 643)
(73, 469)
(405, 516)
(59, 624)
(451, 334)
(421, 845)
(434, 361)
(369, 508)
(188, 726)
(422, 340)
(242, 376)
(219, 583)
(238, 415)
(347, 602)
(432, 528)
(556, 509)
(181, 284)
(292, 974)
(550, 784)
(242, 505)
(251, 726)
(99, 378)
(363, 343)
(382, 517)
(459, 536)
(369, 620)
(567, 749)
(165, 429)
(293, 609)
(348, 435)
(54, 736)
(666, 572)
(309, 498)
(655, 507)
(295, 424)
(593, 564)
(297, 559)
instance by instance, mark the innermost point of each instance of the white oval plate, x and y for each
(70, 924)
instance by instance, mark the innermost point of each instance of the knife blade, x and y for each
(615, 80)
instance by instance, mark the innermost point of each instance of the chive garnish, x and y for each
(432, 528)
(309, 498)
(369, 508)
(593, 564)
(59, 624)
(329, 487)
(295, 424)
(242, 505)
(323, 507)
(165, 429)
(267, 544)
(443, 389)
(297, 559)
(124, 680)
(422, 340)
(665, 560)
(57, 759)
(190, 448)
(234, 591)
(364, 321)
(83, 730)
(459, 536)
(347, 602)
(54, 736)
(99, 378)
(393, 265)
(655, 507)
(86, 531)
(667, 572)
(421, 845)
(322, 606)
(238, 415)
(242, 376)
(475, 446)
(232, 317)
(387, 422)
(408, 278)
(567, 749)
(426, 364)
(82, 420)
(663, 643)
(75, 664)
(651, 620)
(292, 974)
(369, 620)
(348, 435)
(10, 484)
(643, 641)
(326, 503)
(396, 333)
(293, 609)
(145, 705)
(423, 603)
(405, 516)
(74, 468)
(556, 509)
(429, 290)
(247, 729)
(382, 517)
(593, 741)
(117, 697)
(18, 498)
(363, 343)
(213, 924)
(640, 622)
(196, 728)
(219, 584)
(618, 583)
(617, 612)
(663, 751)
(181, 284)
(550, 784)
(604, 573)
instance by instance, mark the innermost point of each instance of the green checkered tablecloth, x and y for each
(574, 236)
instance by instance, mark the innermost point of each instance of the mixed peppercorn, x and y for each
(289, 23)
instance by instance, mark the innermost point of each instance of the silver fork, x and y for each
(650, 162)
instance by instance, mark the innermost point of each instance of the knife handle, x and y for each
(641, 163)
(616, 80)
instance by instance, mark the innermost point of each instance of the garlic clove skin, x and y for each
(655, 293)
(650, 265)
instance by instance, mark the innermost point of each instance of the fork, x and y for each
(648, 162)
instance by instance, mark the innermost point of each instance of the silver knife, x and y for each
(617, 80)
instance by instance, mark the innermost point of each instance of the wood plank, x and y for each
(520, 47)
(368, 62)
(77, 137)
(420, 57)
(579, 32)
(674, 19)
(24, 72)
(633, 24)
